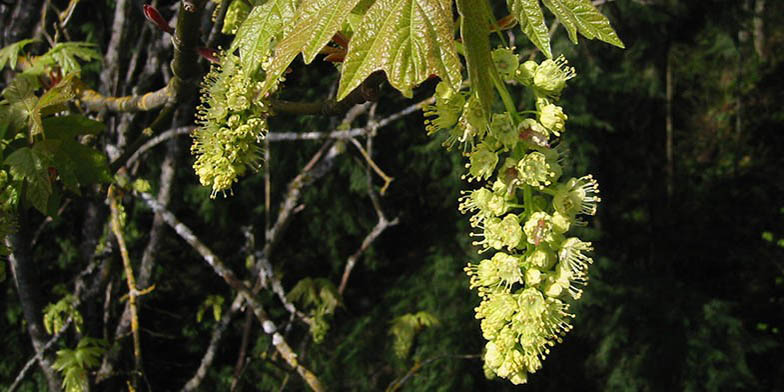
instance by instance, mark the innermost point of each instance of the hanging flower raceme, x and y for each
(525, 215)
(232, 121)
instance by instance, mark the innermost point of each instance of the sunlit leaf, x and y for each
(581, 16)
(529, 14)
(410, 40)
(317, 22)
(10, 53)
(255, 35)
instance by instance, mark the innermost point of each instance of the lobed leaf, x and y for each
(255, 34)
(410, 40)
(317, 22)
(68, 54)
(70, 126)
(581, 16)
(531, 18)
(10, 54)
(32, 166)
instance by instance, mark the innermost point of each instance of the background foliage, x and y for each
(688, 285)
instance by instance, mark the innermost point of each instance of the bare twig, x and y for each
(131, 281)
(78, 299)
(231, 279)
(158, 139)
(209, 355)
(366, 92)
(397, 383)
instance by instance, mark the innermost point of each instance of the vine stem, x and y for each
(131, 281)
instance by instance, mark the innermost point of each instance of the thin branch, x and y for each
(387, 179)
(397, 383)
(209, 355)
(366, 92)
(250, 245)
(78, 285)
(158, 139)
(231, 279)
(379, 228)
(131, 281)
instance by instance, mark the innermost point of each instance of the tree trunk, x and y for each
(28, 288)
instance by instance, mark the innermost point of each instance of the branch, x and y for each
(231, 279)
(28, 288)
(158, 139)
(397, 383)
(79, 284)
(95, 101)
(366, 92)
(217, 332)
(131, 281)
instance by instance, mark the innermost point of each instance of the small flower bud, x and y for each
(152, 14)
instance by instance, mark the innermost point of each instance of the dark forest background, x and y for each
(682, 129)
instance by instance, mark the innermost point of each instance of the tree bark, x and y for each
(28, 288)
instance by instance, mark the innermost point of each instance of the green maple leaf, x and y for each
(529, 14)
(68, 54)
(69, 126)
(474, 30)
(318, 21)
(32, 165)
(581, 16)
(255, 34)
(408, 39)
(52, 99)
(10, 53)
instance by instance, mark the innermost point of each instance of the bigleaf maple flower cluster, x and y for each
(523, 213)
(232, 120)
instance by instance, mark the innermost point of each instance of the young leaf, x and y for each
(235, 15)
(582, 16)
(10, 53)
(67, 54)
(531, 19)
(59, 94)
(32, 166)
(318, 20)
(474, 30)
(408, 39)
(254, 36)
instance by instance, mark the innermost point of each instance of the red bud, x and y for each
(340, 39)
(209, 54)
(336, 57)
(152, 14)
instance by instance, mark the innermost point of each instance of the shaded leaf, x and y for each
(408, 39)
(582, 16)
(68, 127)
(90, 165)
(32, 166)
(317, 22)
(529, 14)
